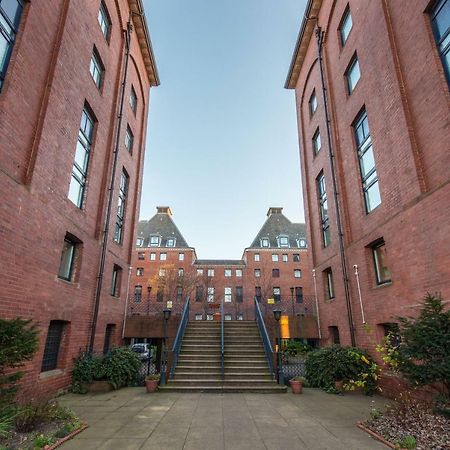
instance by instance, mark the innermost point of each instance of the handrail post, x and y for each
(222, 340)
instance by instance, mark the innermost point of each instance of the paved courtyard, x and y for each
(131, 419)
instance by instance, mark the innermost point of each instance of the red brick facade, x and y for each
(47, 85)
(403, 89)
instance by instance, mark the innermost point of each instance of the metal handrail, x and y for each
(222, 342)
(264, 335)
(179, 337)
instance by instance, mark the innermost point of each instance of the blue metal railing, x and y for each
(222, 340)
(264, 335)
(179, 337)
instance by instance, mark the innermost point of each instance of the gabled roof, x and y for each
(277, 224)
(219, 262)
(162, 225)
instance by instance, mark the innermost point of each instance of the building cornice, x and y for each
(145, 44)
(304, 37)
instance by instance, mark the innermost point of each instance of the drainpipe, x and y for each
(101, 270)
(126, 302)
(320, 35)
(317, 302)
(355, 268)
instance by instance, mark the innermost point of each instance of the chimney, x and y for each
(274, 210)
(164, 210)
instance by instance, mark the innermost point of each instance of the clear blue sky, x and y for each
(222, 140)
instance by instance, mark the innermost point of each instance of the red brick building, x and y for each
(74, 99)
(166, 269)
(371, 81)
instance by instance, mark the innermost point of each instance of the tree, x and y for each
(423, 355)
(18, 343)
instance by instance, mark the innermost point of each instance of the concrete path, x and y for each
(131, 419)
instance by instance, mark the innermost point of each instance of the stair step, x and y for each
(218, 382)
(275, 389)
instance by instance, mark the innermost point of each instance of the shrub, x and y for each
(351, 365)
(41, 440)
(294, 348)
(18, 343)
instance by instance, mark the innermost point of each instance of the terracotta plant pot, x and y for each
(297, 386)
(217, 317)
(339, 385)
(151, 385)
(100, 386)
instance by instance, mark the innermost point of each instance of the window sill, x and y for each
(50, 374)
(380, 286)
(330, 300)
(69, 283)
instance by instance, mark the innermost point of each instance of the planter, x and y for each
(100, 386)
(297, 386)
(151, 385)
(217, 317)
(339, 385)
(295, 359)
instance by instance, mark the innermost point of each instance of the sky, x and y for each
(222, 143)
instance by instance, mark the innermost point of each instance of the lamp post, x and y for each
(166, 314)
(149, 291)
(292, 300)
(277, 315)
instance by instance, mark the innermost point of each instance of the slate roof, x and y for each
(162, 225)
(219, 262)
(277, 224)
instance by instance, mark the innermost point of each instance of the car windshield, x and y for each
(139, 349)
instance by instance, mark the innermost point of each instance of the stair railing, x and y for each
(264, 335)
(222, 341)
(179, 337)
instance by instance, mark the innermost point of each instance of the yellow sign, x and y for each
(284, 324)
(271, 301)
(169, 304)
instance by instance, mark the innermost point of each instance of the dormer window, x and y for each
(265, 242)
(139, 242)
(170, 242)
(154, 241)
(301, 243)
(283, 241)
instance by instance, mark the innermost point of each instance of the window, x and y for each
(181, 272)
(258, 294)
(180, 256)
(277, 294)
(239, 273)
(115, 281)
(316, 142)
(199, 293)
(257, 257)
(179, 293)
(382, 273)
(265, 242)
(152, 256)
(210, 295)
(52, 345)
(239, 294)
(283, 241)
(96, 69)
(10, 13)
(329, 286)
(312, 103)
(299, 294)
(296, 257)
(323, 203)
(137, 293)
(199, 272)
(108, 334)
(366, 158)
(170, 242)
(227, 295)
(104, 21)
(210, 272)
(274, 258)
(199, 317)
(139, 271)
(133, 99)
(163, 256)
(391, 332)
(227, 317)
(285, 258)
(209, 317)
(297, 273)
(352, 74)
(141, 255)
(154, 241)
(129, 139)
(227, 272)
(276, 273)
(440, 23)
(257, 273)
(80, 165)
(68, 255)
(139, 242)
(240, 316)
(123, 191)
(302, 243)
(345, 26)
(334, 335)
(160, 294)
(162, 273)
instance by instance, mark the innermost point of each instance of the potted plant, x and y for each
(297, 384)
(151, 382)
(339, 385)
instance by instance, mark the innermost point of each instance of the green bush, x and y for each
(119, 367)
(351, 365)
(294, 348)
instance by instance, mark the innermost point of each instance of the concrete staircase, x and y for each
(199, 363)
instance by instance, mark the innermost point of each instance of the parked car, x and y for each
(143, 350)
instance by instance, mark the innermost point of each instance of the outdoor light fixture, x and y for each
(166, 313)
(277, 314)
